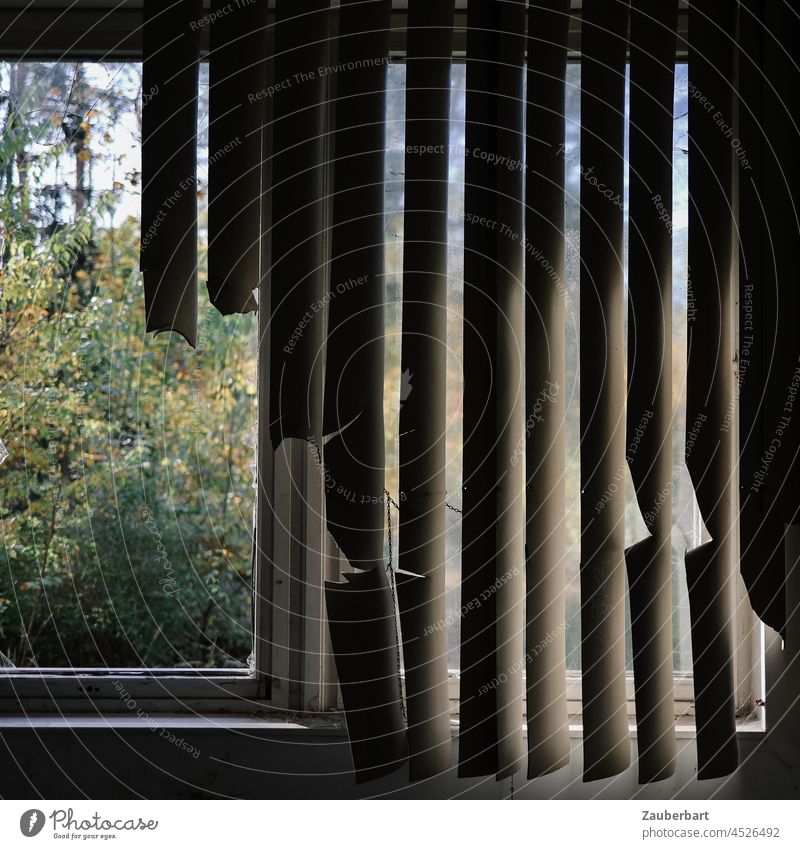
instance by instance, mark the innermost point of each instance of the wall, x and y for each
(260, 760)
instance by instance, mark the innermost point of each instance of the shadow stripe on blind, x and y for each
(649, 562)
(170, 77)
(606, 743)
(423, 419)
(545, 392)
(709, 394)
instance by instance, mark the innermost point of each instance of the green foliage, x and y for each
(126, 501)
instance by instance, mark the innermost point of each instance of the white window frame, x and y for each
(292, 665)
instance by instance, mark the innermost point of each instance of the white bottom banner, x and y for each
(399, 824)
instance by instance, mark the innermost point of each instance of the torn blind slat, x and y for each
(353, 399)
(709, 395)
(782, 123)
(423, 420)
(360, 612)
(769, 346)
(298, 281)
(490, 739)
(237, 78)
(782, 176)
(760, 528)
(171, 48)
(606, 743)
(649, 419)
(545, 376)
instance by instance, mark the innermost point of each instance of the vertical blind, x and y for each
(324, 289)
(606, 747)
(490, 737)
(423, 421)
(237, 71)
(769, 350)
(649, 562)
(170, 75)
(709, 391)
(545, 366)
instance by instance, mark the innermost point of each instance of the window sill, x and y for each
(749, 728)
(224, 698)
(101, 692)
(184, 722)
(274, 722)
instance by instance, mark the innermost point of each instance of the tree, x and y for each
(126, 511)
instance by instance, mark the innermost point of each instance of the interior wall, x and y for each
(133, 762)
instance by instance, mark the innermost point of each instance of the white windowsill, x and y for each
(328, 724)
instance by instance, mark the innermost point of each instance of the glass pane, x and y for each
(127, 495)
(687, 527)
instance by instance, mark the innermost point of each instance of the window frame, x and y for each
(78, 690)
(285, 624)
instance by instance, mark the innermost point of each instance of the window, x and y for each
(128, 490)
(127, 516)
(688, 530)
